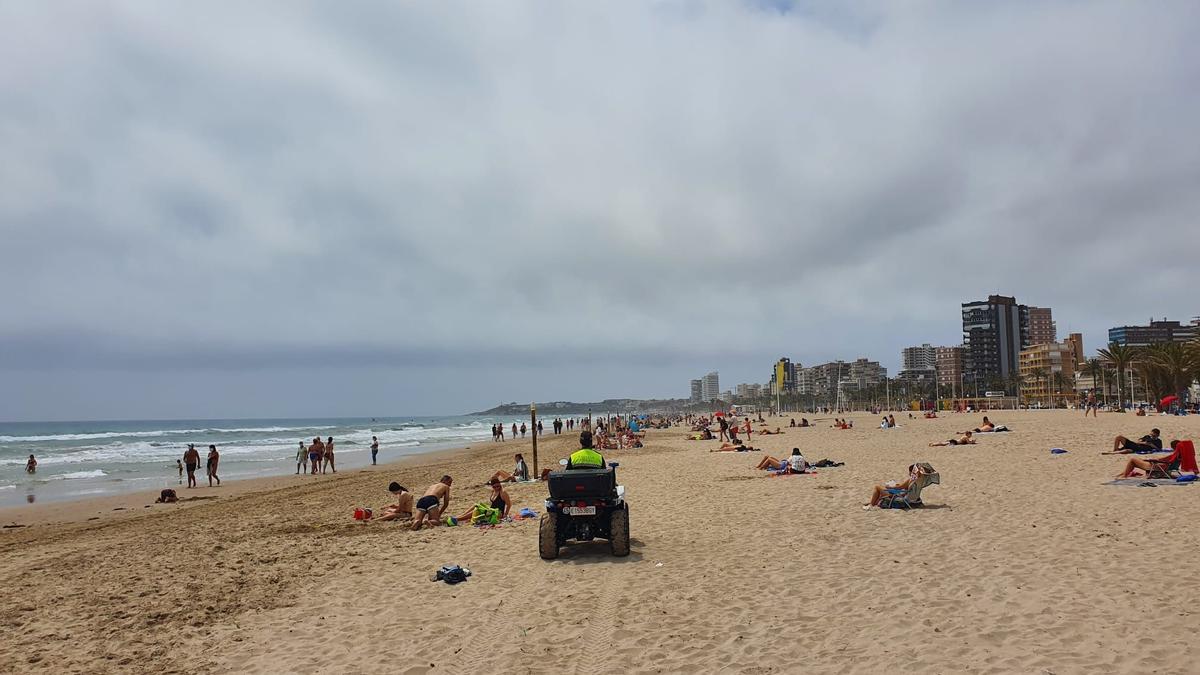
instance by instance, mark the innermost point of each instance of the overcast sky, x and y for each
(308, 209)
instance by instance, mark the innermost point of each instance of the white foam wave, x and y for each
(155, 433)
(76, 475)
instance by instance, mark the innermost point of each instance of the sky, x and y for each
(231, 209)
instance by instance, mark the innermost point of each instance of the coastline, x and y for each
(88, 508)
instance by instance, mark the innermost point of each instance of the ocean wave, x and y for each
(77, 475)
(153, 433)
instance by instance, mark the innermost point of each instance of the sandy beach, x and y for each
(1023, 561)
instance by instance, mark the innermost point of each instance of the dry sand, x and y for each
(1023, 562)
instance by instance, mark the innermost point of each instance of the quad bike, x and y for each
(584, 504)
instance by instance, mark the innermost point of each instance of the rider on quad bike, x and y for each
(585, 503)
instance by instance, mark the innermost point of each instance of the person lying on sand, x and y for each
(428, 508)
(986, 426)
(913, 474)
(498, 500)
(735, 447)
(520, 472)
(403, 508)
(1124, 446)
(702, 435)
(1146, 463)
(768, 432)
(965, 440)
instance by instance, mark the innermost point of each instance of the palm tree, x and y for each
(1060, 382)
(1093, 368)
(1169, 368)
(1039, 375)
(1118, 356)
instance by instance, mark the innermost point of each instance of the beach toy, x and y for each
(1057, 451)
(362, 513)
(451, 521)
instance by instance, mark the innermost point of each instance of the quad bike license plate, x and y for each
(580, 510)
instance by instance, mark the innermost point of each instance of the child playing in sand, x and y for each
(403, 508)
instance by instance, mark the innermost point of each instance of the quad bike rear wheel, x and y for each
(618, 530)
(548, 536)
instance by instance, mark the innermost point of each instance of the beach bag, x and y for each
(485, 515)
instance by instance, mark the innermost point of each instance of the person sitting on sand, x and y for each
(966, 439)
(31, 465)
(1124, 446)
(498, 500)
(403, 508)
(892, 421)
(913, 474)
(520, 472)
(428, 508)
(804, 422)
(1147, 463)
(793, 464)
(792, 425)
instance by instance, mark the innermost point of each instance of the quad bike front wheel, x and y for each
(548, 536)
(618, 531)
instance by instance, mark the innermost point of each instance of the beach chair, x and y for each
(910, 497)
(1182, 459)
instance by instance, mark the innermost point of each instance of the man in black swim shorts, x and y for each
(428, 509)
(1124, 446)
(191, 460)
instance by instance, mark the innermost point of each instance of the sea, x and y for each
(87, 459)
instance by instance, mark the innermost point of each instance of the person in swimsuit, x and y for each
(329, 456)
(191, 459)
(913, 474)
(403, 508)
(31, 465)
(428, 509)
(316, 452)
(179, 465)
(498, 500)
(214, 458)
(302, 458)
(965, 440)
(374, 449)
(1124, 446)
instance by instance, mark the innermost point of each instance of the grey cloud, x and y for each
(649, 183)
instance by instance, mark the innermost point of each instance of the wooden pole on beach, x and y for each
(533, 426)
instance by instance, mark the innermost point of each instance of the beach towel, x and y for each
(1141, 481)
(1187, 456)
(527, 512)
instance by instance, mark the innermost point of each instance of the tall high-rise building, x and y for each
(1042, 329)
(1040, 366)
(950, 369)
(1154, 333)
(783, 376)
(697, 390)
(918, 363)
(994, 333)
(710, 387)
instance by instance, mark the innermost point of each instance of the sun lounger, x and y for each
(910, 498)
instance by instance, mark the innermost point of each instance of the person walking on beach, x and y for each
(374, 449)
(539, 428)
(329, 456)
(316, 452)
(514, 431)
(31, 465)
(179, 465)
(522, 430)
(1090, 406)
(500, 429)
(302, 458)
(191, 460)
(214, 458)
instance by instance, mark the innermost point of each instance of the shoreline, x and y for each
(85, 508)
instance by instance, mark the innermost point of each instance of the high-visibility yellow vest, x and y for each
(587, 457)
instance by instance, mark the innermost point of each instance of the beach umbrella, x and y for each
(1168, 400)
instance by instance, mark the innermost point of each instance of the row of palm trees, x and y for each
(1164, 369)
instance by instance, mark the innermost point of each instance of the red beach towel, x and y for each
(1187, 456)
